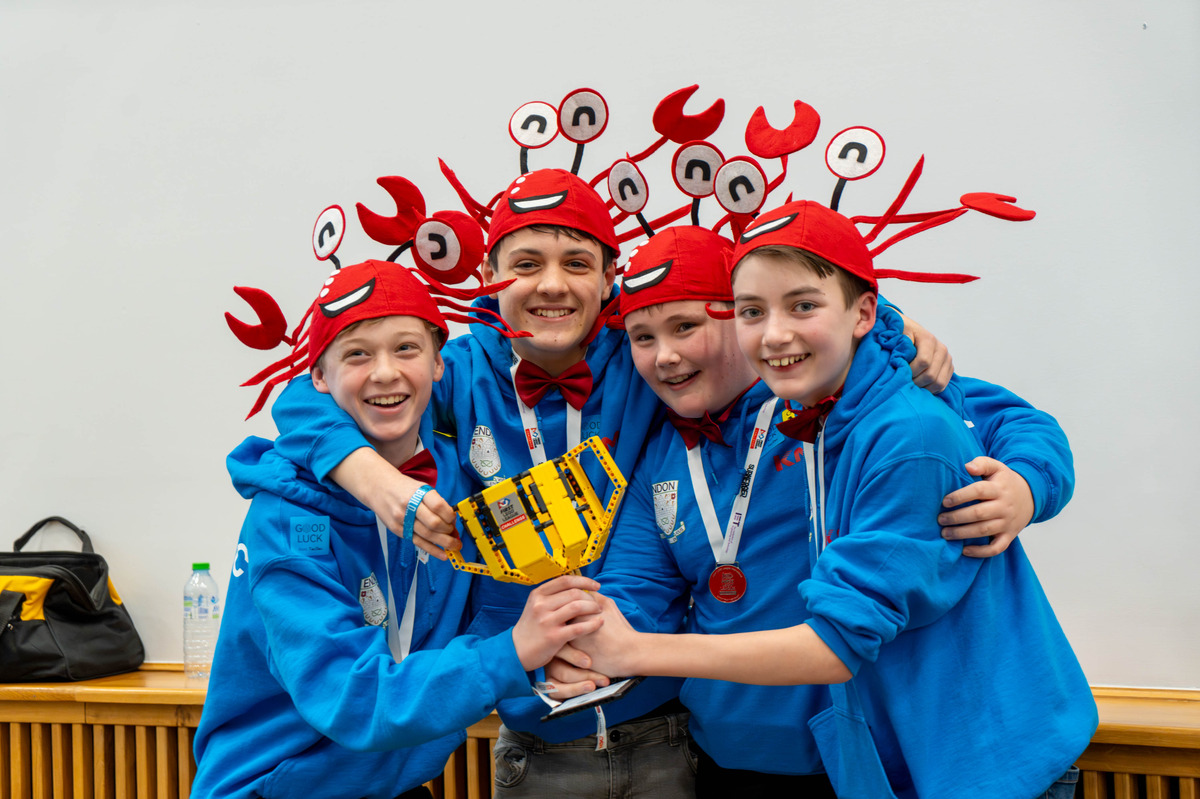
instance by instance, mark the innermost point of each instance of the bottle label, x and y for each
(310, 535)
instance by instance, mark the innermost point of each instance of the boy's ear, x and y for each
(486, 270)
(610, 277)
(865, 308)
(318, 378)
(439, 367)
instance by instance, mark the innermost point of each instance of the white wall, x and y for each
(154, 154)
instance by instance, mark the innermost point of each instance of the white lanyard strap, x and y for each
(725, 548)
(400, 635)
(533, 435)
(816, 482)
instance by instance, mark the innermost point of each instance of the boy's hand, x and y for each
(555, 612)
(607, 650)
(570, 681)
(1004, 507)
(384, 489)
(932, 366)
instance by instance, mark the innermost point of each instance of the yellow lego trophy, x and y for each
(544, 522)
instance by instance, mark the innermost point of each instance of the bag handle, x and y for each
(83, 537)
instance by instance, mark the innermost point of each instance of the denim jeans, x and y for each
(1064, 787)
(648, 758)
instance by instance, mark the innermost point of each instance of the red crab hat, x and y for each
(370, 290)
(812, 227)
(552, 197)
(679, 263)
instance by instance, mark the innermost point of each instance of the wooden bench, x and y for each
(130, 737)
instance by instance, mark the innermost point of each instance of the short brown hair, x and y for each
(607, 254)
(852, 285)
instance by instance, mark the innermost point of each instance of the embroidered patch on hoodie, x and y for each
(310, 535)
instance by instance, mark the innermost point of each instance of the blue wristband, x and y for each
(410, 513)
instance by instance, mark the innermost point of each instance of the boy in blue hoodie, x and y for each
(338, 671)
(706, 519)
(892, 615)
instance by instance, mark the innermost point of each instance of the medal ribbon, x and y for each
(725, 548)
(816, 481)
(533, 436)
(399, 637)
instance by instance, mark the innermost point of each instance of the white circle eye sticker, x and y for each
(328, 232)
(740, 185)
(694, 167)
(583, 116)
(436, 245)
(855, 153)
(534, 125)
(627, 187)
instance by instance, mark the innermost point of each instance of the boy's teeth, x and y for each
(788, 361)
(676, 380)
(551, 314)
(396, 400)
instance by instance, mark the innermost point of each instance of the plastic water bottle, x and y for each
(201, 621)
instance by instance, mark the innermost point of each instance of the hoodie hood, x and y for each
(255, 466)
(880, 369)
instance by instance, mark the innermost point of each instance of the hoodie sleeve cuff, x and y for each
(828, 633)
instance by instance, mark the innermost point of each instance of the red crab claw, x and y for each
(998, 205)
(272, 327)
(768, 142)
(672, 122)
(410, 211)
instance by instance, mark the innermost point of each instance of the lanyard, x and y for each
(725, 548)
(533, 436)
(400, 637)
(816, 481)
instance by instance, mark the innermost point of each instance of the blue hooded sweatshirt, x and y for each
(305, 697)
(964, 683)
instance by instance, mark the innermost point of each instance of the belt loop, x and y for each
(674, 728)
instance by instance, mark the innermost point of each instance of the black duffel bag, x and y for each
(62, 619)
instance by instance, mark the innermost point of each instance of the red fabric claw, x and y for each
(400, 227)
(997, 205)
(272, 327)
(768, 142)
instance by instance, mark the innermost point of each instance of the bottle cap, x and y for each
(200, 567)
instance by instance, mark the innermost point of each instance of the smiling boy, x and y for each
(891, 608)
(330, 671)
(710, 516)
(515, 403)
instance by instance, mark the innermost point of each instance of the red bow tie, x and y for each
(421, 467)
(575, 384)
(805, 424)
(690, 430)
